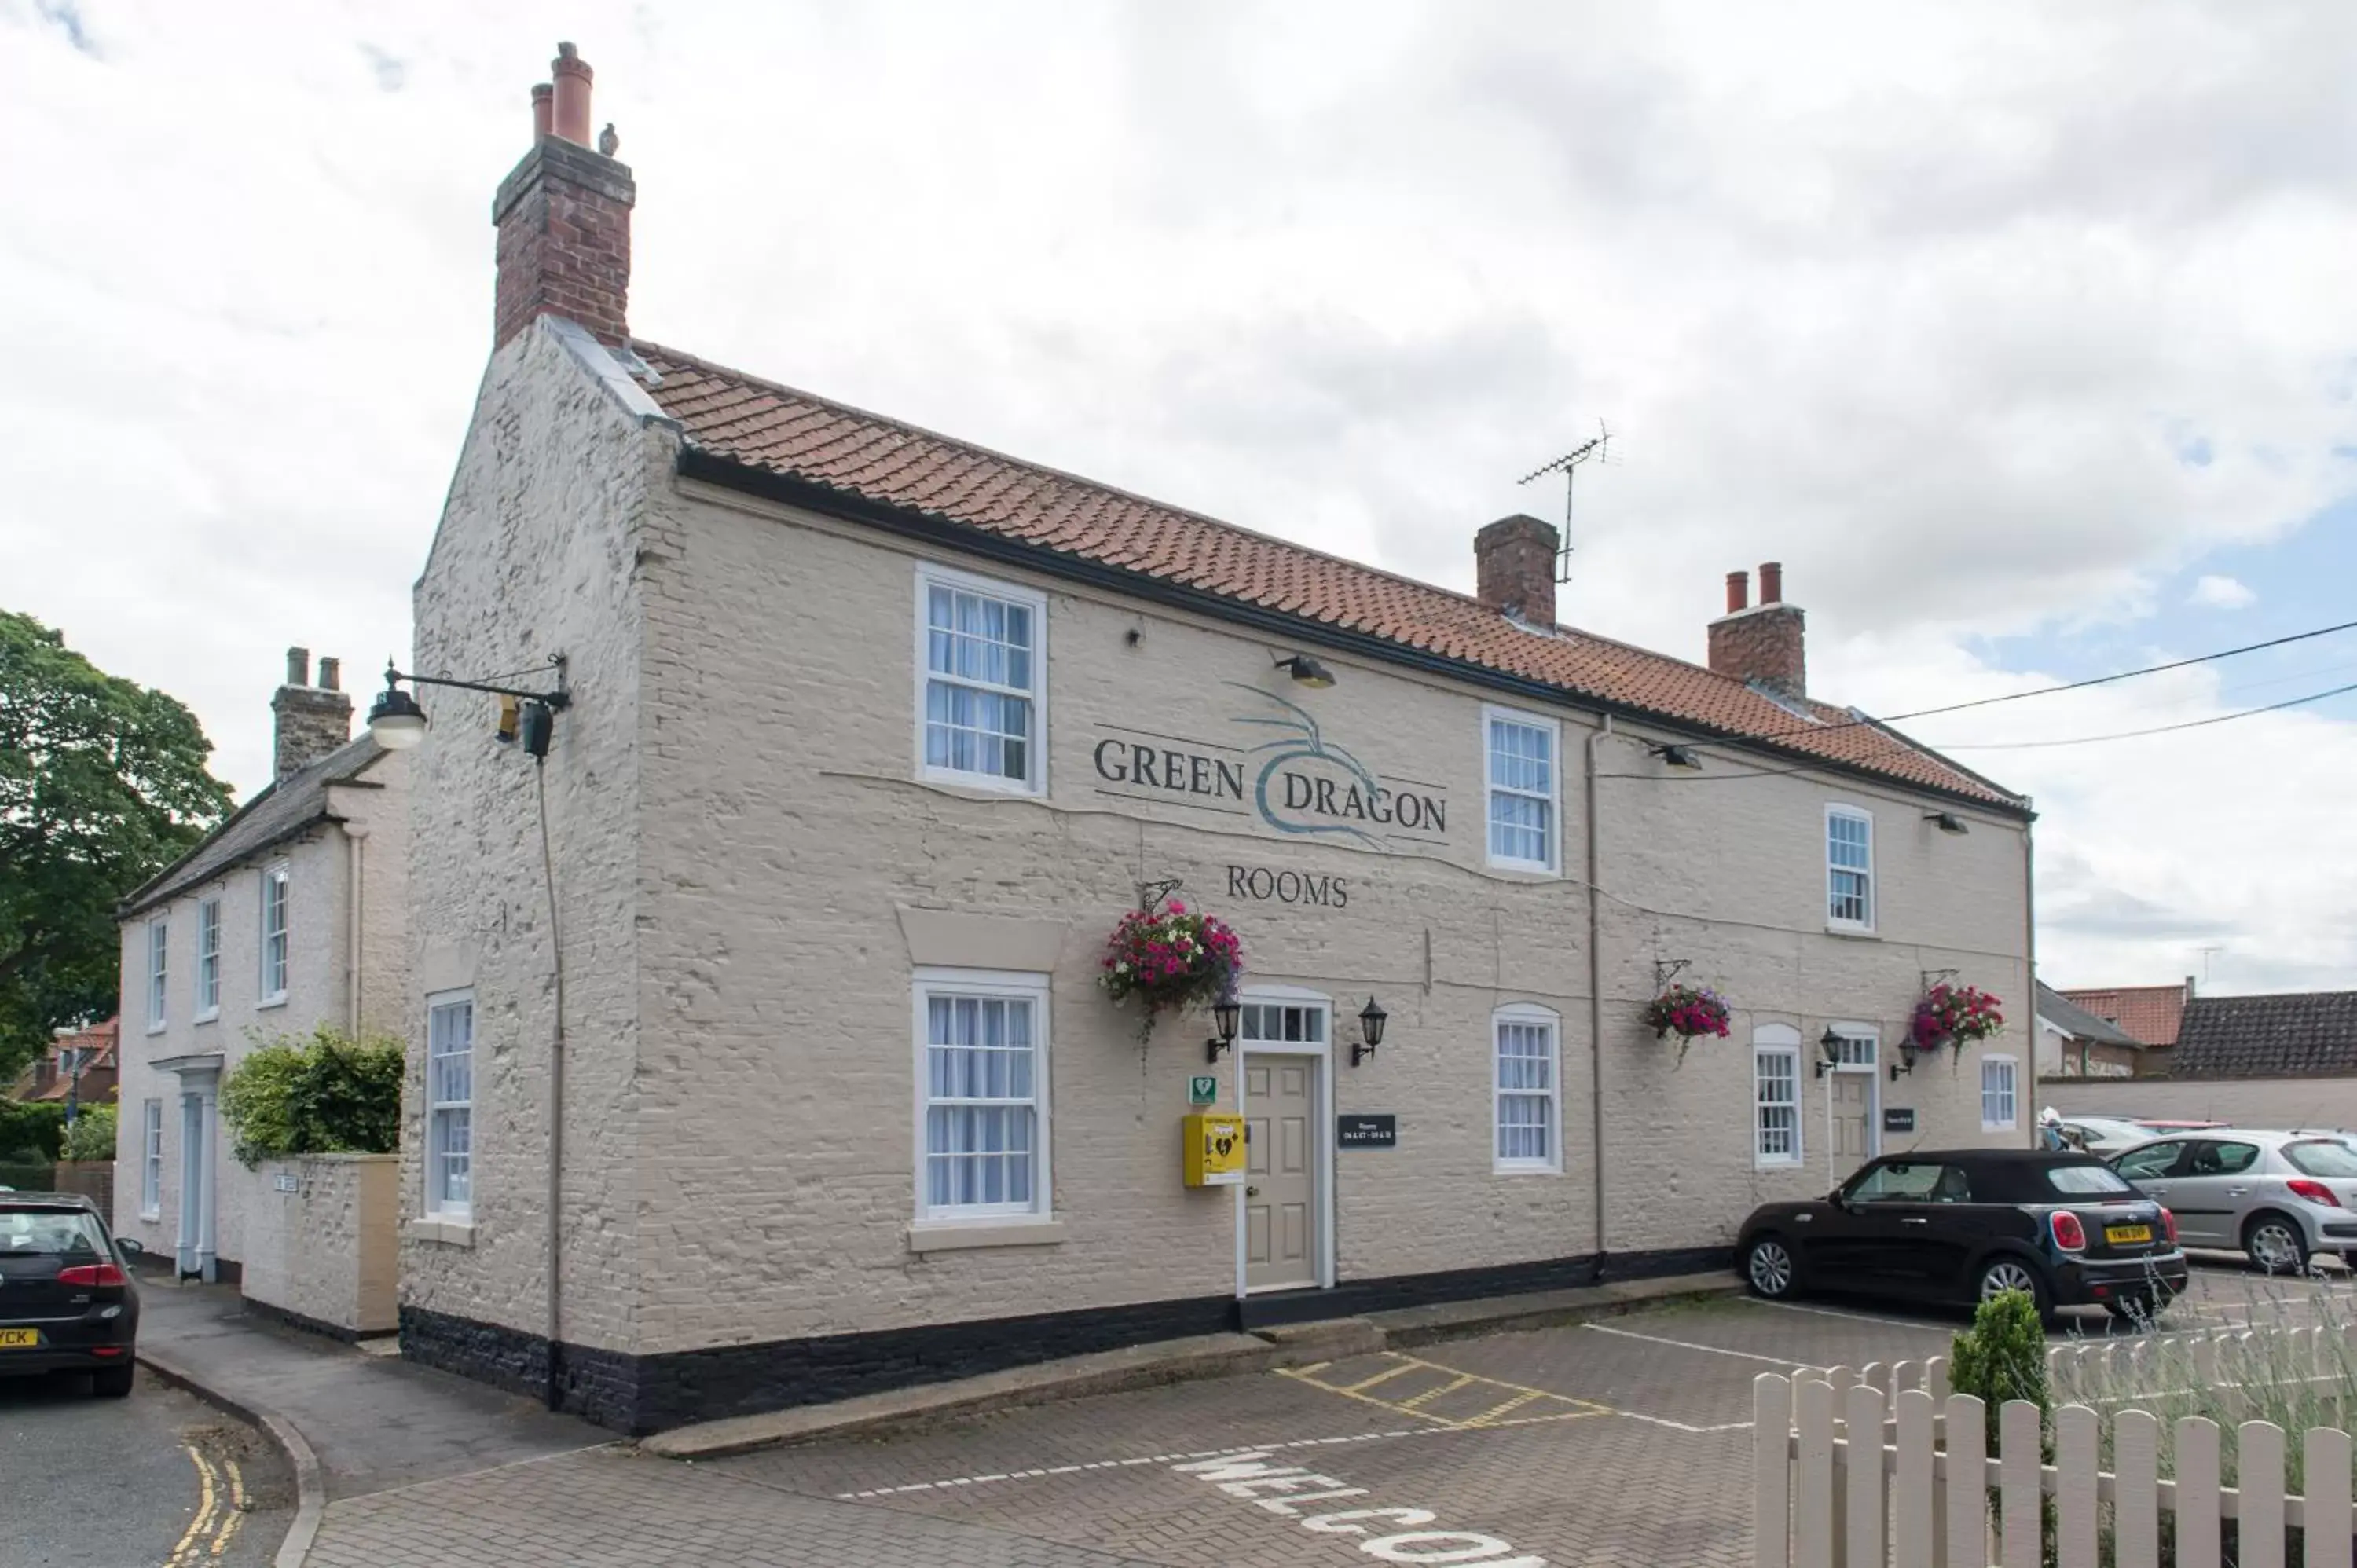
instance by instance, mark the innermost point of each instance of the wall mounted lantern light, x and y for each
(1906, 1062)
(1372, 1019)
(1946, 822)
(1307, 671)
(399, 724)
(1225, 1013)
(1829, 1051)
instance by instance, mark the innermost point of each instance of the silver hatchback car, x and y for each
(2280, 1197)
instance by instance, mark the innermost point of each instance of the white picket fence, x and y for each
(1926, 1503)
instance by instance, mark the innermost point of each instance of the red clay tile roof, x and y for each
(2150, 1013)
(761, 424)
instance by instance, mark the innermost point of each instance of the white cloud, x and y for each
(2220, 594)
(1932, 303)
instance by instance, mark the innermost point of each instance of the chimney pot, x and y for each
(1771, 582)
(544, 111)
(1514, 567)
(572, 78)
(298, 666)
(330, 673)
(1739, 592)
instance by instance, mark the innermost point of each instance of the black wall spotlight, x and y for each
(1683, 756)
(1307, 671)
(1946, 822)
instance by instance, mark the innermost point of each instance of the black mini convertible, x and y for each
(1957, 1226)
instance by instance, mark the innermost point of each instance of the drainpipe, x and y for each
(1596, 991)
(354, 834)
(2029, 963)
(555, 1392)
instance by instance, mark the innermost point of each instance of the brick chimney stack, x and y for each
(1514, 566)
(307, 721)
(1765, 642)
(563, 219)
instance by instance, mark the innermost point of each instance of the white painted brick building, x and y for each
(772, 883)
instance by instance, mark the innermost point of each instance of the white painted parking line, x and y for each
(1945, 1330)
(1784, 1361)
(1127, 1464)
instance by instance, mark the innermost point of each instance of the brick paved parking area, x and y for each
(1624, 1441)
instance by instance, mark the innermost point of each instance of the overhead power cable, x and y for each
(2067, 685)
(2157, 729)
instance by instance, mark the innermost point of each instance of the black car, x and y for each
(67, 1303)
(1960, 1225)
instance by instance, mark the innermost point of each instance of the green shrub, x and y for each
(2002, 1356)
(31, 1129)
(91, 1135)
(324, 1094)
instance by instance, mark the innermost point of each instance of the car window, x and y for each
(1912, 1181)
(49, 1233)
(2152, 1160)
(2214, 1156)
(2324, 1157)
(2078, 1181)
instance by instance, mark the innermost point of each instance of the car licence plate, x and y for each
(2119, 1235)
(19, 1339)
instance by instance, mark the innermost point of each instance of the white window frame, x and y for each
(275, 879)
(438, 1205)
(1527, 1015)
(1035, 778)
(1552, 864)
(1780, 1040)
(2012, 1091)
(1838, 811)
(151, 1159)
(159, 957)
(929, 982)
(208, 930)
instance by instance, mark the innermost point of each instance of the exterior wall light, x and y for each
(1906, 1062)
(398, 723)
(1829, 1050)
(1946, 822)
(1225, 1013)
(1683, 756)
(1307, 671)
(1372, 1019)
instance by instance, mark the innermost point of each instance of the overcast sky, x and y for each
(2021, 334)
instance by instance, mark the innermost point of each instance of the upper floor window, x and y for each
(982, 1044)
(1849, 868)
(981, 661)
(450, 1105)
(1526, 1096)
(1523, 787)
(208, 959)
(274, 936)
(159, 947)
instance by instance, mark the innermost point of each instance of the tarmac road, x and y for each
(152, 1481)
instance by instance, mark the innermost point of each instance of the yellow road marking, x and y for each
(236, 1508)
(207, 1497)
(1522, 1396)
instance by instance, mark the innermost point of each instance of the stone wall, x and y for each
(320, 1241)
(2324, 1102)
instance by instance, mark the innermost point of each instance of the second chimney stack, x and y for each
(563, 219)
(1766, 643)
(1514, 567)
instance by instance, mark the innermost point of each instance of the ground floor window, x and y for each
(982, 1065)
(151, 1158)
(1523, 1041)
(1998, 1099)
(1776, 1096)
(450, 1105)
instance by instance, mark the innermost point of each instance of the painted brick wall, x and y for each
(324, 1251)
(535, 556)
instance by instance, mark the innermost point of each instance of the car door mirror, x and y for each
(132, 1251)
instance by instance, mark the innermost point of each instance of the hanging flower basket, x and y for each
(1952, 1014)
(1170, 958)
(1687, 1011)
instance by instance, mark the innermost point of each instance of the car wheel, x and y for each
(1768, 1269)
(112, 1383)
(2001, 1275)
(2275, 1244)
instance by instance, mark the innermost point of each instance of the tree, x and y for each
(91, 1135)
(103, 784)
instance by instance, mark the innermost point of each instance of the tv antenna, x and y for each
(1592, 450)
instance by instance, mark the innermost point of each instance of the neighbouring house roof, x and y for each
(283, 810)
(2149, 1013)
(43, 1080)
(2077, 1022)
(757, 426)
(2298, 1035)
